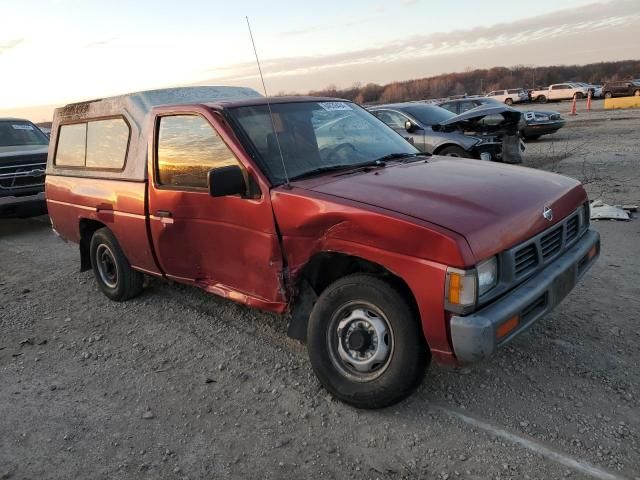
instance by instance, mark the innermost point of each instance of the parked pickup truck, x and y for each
(385, 257)
(559, 91)
(23, 158)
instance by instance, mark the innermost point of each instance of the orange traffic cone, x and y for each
(573, 107)
(589, 101)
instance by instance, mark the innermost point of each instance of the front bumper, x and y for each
(13, 203)
(474, 337)
(542, 128)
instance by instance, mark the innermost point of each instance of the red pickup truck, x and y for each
(384, 257)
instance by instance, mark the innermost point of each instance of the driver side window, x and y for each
(188, 147)
(393, 119)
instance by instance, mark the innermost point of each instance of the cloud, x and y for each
(10, 45)
(564, 27)
(408, 3)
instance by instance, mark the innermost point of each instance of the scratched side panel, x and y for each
(119, 205)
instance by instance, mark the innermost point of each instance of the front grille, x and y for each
(551, 243)
(526, 258)
(14, 177)
(573, 226)
(541, 249)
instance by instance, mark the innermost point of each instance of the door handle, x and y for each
(164, 216)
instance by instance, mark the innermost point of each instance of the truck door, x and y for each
(227, 245)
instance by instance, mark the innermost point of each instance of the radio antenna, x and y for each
(273, 123)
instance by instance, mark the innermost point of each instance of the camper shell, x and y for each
(136, 110)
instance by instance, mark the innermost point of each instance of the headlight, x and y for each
(541, 116)
(463, 287)
(487, 275)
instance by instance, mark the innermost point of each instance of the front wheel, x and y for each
(542, 99)
(365, 343)
(114, 275)
(509, 101)
(608, 95)
(636, 93)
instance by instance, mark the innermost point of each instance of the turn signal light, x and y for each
(593, 252)
(508, 326)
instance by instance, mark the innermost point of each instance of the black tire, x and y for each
(542, 99)
(385, 383)
(578, 96)
(608, 95)
(532, 137)
(636, 93)
(454, 151)
(509, 101)
(114, 275)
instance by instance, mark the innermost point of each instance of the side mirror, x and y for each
(225, 181)
(409, 126)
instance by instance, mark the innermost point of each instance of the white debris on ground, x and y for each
(602, 211)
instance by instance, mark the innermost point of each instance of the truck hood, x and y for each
(494, 206)
(17, 150)
(511, 115)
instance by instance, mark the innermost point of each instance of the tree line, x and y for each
(481, 81)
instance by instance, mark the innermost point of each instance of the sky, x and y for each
(54, 52)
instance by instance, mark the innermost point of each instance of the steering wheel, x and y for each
(338, 148)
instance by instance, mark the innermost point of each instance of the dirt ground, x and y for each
(180, 384)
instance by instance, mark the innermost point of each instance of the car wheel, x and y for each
(608, 95)
(509, 101)
(578, 96)
(365, 343)
(532, 137)
(114, 275)
(542, 99)
(636, 93)
(454, 151)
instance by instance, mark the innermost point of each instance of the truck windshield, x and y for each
(318, 137)
(14, 133)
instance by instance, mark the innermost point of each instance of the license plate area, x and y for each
(564, 284)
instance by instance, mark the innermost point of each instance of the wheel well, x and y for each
(325, 268)
(87, 228)
(437, 150)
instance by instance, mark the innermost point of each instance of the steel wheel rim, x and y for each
(107, 266)
(360, 341)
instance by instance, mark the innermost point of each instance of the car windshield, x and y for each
(428, 115)
(315, 137)
(15, 133)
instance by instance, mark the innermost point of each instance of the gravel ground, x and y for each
(180, 384)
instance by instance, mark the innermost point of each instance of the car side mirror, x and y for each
(409, 126)
(226, 181)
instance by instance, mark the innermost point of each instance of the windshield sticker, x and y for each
(334, 106)
(22, 127)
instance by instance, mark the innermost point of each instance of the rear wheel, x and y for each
(365, 344)
(114, 275)
(509, 101)
(578, 96)
(608, 95)
(454, 151)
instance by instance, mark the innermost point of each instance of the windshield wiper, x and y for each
(398, 156)
(324, 169)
